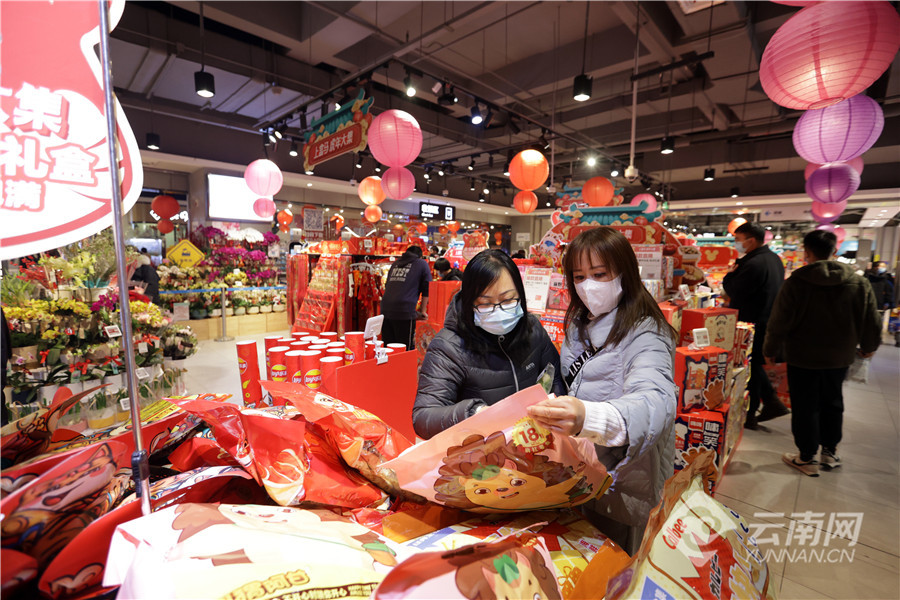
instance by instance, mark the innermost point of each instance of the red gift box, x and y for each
(700, 377)
(696, 432)
(721, 323)
(554, 323)
(672, 313)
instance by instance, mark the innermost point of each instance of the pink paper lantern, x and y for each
(841, 234)
(832, 183)
(264, 207)
(395, 138)
(263, 177)
(650, 199)
(796, 2)
(826, 212)
(828, 52)
(840, 132)
(769, 236)
(857, 163)
(398, 183)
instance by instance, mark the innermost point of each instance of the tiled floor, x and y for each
(826, 555)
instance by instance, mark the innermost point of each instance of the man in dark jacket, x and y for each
(445, 271)
(407, 279)
(823, 312)
(455, 382)
(751, 287)
(146, 277)
(882, 284)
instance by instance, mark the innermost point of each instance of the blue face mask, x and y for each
(499, 322)
(882, 270)
(739, 246)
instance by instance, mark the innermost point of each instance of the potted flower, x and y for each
(198, 308)
(24, 345)
(240, 304)
(213, 303)
(101, 412)
(265, 305)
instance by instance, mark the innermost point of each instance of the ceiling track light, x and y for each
(409, 86)
(477, 118)
(472, 186)
(204, 84)
(506, 169)
(471, 166)
(735, 192)
(614, 172)
(667, 145)
(709, 174)
(592, 161)
(153, 141)
(293, 151)
(581, 88)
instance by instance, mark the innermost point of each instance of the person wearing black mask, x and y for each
(490, 347)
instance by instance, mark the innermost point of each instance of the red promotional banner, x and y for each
(54, 158)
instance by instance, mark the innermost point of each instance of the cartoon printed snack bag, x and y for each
(694, 547)
(499, 460)
(516, 566)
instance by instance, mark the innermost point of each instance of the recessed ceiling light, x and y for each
(309, 184)
(739, 203)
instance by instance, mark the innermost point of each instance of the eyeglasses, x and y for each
(506, 306)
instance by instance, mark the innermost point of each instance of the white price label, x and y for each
(142, 347)
(684, 292)
(112, 331)
(701, 337)
(125, 404)
(142, 373)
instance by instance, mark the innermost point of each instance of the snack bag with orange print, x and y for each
(500, 460)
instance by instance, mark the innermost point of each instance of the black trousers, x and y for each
(759, 387)
(817, 408)
(399, 331)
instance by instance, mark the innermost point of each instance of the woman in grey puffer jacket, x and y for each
(618, 363)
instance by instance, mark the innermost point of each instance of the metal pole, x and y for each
(139, 464)
(225, 337)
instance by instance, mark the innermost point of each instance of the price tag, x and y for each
(142, 373)
(125, 404)
(98, 373)
(701, 337)
(142, 347)
(702, 289)
(112, 331)
(81, 334)
(684, 292)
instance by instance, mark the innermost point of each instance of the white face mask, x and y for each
(600, 297)
(739, 246)
(499, 322)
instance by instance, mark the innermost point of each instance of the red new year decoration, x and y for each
(370, 191)
(525, 202)
(165, 206)
(528, 170)
(598, 191)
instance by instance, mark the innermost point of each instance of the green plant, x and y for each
(20, 339)
(16, 292)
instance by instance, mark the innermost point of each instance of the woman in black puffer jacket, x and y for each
(490, 347)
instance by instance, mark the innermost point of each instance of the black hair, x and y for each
(752, 230)
(417, 250)
(820, 244)
(442, 264)
(480, 273)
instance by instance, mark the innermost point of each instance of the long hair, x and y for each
(480, 273)
(611, 247)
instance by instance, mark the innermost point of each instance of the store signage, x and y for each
(337, 133)
(185, 254)
(54, 157)
(427, 210)
(774, 214)
(537, 287)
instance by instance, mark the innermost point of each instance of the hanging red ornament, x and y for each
(264, 207)
(165, 226)
(598, 191)
(165, 206)
(528, 170)
(525, 202)
(370, 191)
(373, 213)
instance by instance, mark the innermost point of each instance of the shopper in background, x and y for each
(407, 279)
(617, 360)
(883, 285)
(145, 276)
(445, 271)
(751, 287)
(824, 317)
(490, 347)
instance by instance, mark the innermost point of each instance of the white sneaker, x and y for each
(829, 460)
(792, 459)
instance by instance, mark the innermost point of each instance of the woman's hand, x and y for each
(564, 414)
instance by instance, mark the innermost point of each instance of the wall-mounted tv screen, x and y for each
(230, 199)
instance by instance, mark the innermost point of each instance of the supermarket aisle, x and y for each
(844, 521)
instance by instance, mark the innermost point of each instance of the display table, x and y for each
(210, 329)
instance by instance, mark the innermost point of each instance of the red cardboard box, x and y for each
(672, 313)
(721, 323)
(743, 343)
(697, 431)
(553, 322)
(700, 377)
(440, 293)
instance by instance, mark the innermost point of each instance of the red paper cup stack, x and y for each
(311, 369)
(396, 347)
(292, 361)
(248, 366)
(370, 350)
(329, 366)
(277, 360)
(269, 342)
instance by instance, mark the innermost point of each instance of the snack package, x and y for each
(694, 548)
(16, 569)
(516, 566)
(720, 322)
(284, 453)
(701, 378)
(247, 551)
(201, 450)
(609, 560)
(698, 432)
(500, 460)
(364, 441)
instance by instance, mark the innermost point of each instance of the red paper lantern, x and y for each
(525, 202)
(370, 190)
(284, 228)
(443, 230)
(735, 224)
(828, 52)
(338, 221)
(373, 213)
(165, 206)
(498, 236)
(528, 170)
(650, 199)
(453, 226)
(263, 177)
(598, 191)
(165, 226)
(398, 230)
(418, 227)
(285, 217)
(395, 138)
(398, 183)
(264, 207)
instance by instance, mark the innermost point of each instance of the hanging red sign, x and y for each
(54, 158)
(339, 132)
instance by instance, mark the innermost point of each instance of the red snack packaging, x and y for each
(277, 360)
(364, 441)
(318, 347)
(355, 345)
(309, 338)
(291, 458)
(294, 368)
(299, 335)
(248, 366)
(328, 366)
(299, 345)
(338, 344)
(323, 341)
(396, 347)
(370, 350)
(332, 335)
(286, 341)
(269, 342)
(339, 352)
(312, 375)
